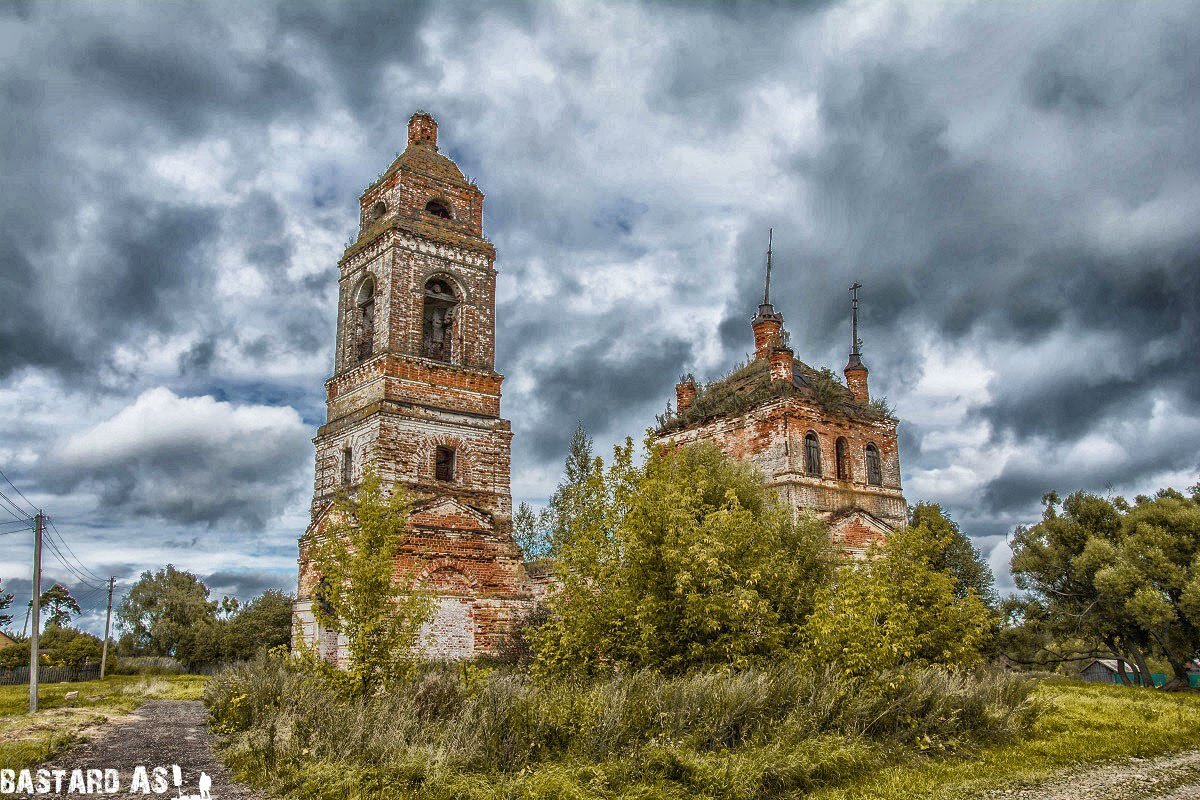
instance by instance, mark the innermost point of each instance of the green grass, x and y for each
(482, 735)
(1084, 723)
(737, 736)
(27, 739)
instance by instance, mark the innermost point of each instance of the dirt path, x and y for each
(1174, 777)
(160, 733)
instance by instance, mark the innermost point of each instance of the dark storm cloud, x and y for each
(21, 318)
(598, 383)
(358, 38)
(1033, 477)
(980, 245)
(175, 80)
(246, 585)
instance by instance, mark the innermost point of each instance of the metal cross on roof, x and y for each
(855, 342)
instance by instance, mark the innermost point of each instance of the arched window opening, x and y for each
(438, 209)
(443, 467)
(364, 336)
(874, 466)
(378, 209)
(437, 329)
(843, 460)
(347, 466)
(812, 454)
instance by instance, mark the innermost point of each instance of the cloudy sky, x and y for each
(1016, 185)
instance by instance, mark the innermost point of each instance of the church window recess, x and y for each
(443, 464)
(438, 209)
(874, 466)
(437, 328)
(812, 454)
(378, 209)
(364, 334)
(842, 458)
(347, 466)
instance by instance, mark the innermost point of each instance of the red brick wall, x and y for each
(856, 382)
(767, 335)
(771, 437)
(394, 409)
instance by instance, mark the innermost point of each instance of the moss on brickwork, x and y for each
(749, 385)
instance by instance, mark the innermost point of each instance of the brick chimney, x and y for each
(856, 379)
(685, 394)
(422, 129)
(768, 330)
(782, 364)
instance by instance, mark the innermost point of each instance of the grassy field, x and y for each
(26, 740)
(710, 737)
(1084, 724)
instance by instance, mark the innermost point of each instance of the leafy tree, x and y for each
(687, 561)
(6, 601)
(531, 531)
(59, 606)
(168, 613)
(59, 647)
(900, 607)
(228, 607)
(575, 493)
(1123, 577)
(380, 615)
(67, 647)
(15, 656)
(957, 556)
(263, 623)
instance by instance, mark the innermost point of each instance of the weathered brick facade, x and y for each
(822, 446)
(414, 392)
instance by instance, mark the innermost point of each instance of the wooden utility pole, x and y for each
(107, 627)
(35, 612)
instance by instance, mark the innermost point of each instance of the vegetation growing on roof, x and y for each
(827, 390)
(883, 408)
(746, 387)
(750, 384)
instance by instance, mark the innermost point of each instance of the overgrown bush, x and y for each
(459, 731)
(684, 562)
(904, 605)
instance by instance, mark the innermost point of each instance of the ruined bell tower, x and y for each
(414, 392)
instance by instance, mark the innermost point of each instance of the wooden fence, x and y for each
(88, 672)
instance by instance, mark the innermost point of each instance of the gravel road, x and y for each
(1175, 777)
(160, 733)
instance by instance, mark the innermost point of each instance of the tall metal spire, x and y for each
(855, 342)
(767, 290)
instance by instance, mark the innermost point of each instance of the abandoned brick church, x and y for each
(825, 447)
(415, 393)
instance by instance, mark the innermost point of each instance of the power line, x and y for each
(63, 540)
(12, 508)
(18, 491)
(63, 561)
(13, 504)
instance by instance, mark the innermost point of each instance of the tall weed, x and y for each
(712, 733)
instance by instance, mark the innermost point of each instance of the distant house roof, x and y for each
(6, 640)
(1111, 664)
